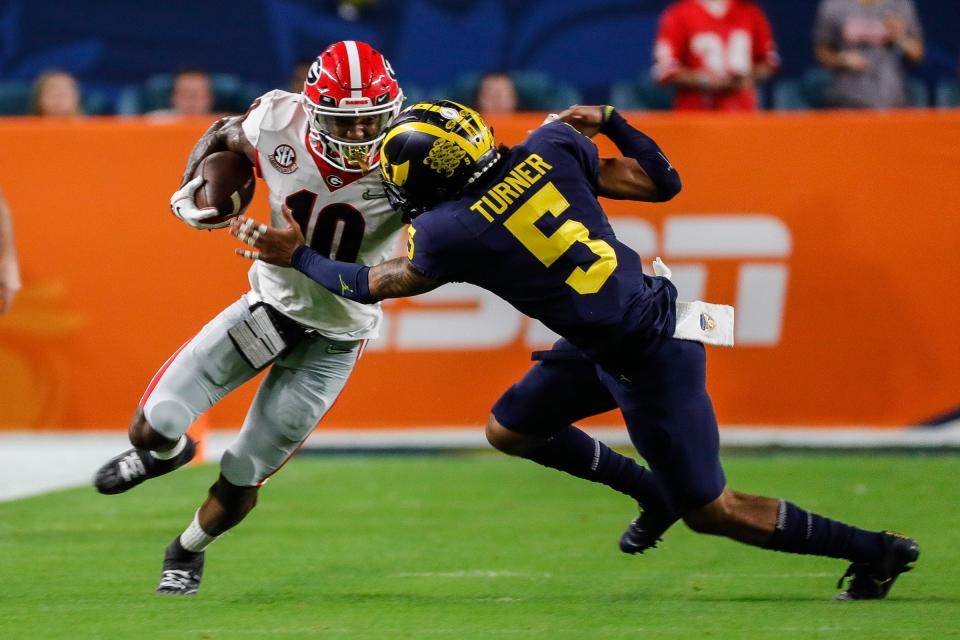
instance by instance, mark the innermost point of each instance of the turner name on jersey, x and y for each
(342, 214)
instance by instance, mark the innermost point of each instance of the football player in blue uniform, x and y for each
(525, 223)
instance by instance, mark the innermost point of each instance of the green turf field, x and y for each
(475, 546)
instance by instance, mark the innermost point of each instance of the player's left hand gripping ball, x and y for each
(184, 207)
(274, 245)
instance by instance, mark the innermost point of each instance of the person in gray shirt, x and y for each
(864, 44)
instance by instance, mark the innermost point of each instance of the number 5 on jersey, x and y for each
(548, 249)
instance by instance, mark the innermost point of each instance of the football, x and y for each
(228, 184)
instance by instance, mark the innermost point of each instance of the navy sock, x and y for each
(800, 531)
(573, 451)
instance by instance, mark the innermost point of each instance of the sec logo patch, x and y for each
(284, 159)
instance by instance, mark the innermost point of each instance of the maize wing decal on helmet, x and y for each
(432, 152)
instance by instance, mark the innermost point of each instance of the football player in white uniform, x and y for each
(315, 151)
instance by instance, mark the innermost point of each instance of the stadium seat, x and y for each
(539, 92)
(801, 94)
(96, 103)
(813, 87)
(14, 98)
(809, 92)
(414, 93)
(462, 90)
(231, 95)
(948, 94)
(788, 96)
(536, 91)
(918, 93)
(645, 95)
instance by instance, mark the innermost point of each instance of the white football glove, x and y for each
(661, 269)
(184, 207)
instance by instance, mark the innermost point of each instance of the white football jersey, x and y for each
(343, 215)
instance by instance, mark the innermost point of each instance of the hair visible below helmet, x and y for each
(432, 152)
(350, 82)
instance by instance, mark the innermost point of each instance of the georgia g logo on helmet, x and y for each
(432, 152)
(314, 73)
(350, 96)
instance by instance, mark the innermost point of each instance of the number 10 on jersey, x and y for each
(335, 231)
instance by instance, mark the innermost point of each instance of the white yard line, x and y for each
(38, 462)
(471, 573)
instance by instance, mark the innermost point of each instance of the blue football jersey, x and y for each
(535, 235)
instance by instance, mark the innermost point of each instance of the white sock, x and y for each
(194, 538)
(171, 453)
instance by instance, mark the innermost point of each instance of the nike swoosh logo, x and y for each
(373, 195)
(344, 287)
(334, 350)
(669, 164)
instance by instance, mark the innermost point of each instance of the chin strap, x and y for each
(486, 167)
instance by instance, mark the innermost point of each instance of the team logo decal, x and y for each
(335, 181)
(314, 73)
(445, 157)
(284, 159)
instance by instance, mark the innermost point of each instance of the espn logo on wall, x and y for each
(757, 246)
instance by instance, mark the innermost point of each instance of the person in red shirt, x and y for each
(714, 52)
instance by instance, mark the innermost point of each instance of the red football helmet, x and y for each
(350, 96)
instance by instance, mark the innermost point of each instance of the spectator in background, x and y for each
(56, 94)
(299, 77)
(9, 265)
(496, 93)
(714, 52)
(192, 93)
(864, 43)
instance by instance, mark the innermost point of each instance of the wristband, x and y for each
(346, 279)
(607, 113)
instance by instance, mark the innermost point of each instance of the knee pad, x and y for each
(169, 418)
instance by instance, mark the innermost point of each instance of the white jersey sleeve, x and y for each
(343, 215)
(271, 112)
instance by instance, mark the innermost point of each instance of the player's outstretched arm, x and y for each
(398, 278)
(625, 179)
(621, 178)
(285, 248)
(643, 173)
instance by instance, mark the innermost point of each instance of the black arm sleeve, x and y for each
(641, 147)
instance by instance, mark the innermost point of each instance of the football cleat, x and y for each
(130, 468)
(645, 531)
(872, 580)
(182, 571)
